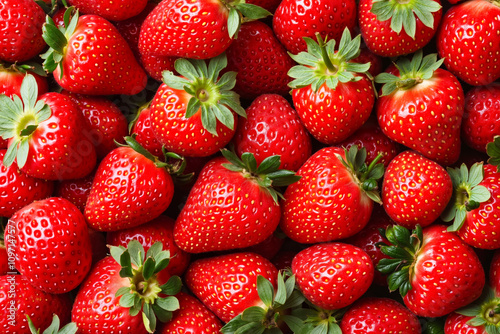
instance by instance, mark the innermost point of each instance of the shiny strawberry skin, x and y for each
(272, 127)
(460, 324)
(426, 118)
(76, 190)
(332, 115)
(415, 190)
(110, 10)
(333, 275)
(186, 28)
(295, 19)
(326, 204)
(11, 80)
(51, 244)
(227, 284)
(18, 189)
(144, 134)
(225, 210)
(468, 41)
(21, 33)
(128, 190)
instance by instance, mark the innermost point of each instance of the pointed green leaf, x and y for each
(252, 12)
(208, 120)
(116, 252)
(155, 250)
(161, 314)
(29, 91)
(476, 174)
(480, 194)
(53, 36)
(254, 313)
(251, 328)
(121, 291)
(148, 318)
(169, 303)
(223, 115)
(172, 287)
(148, 268)
(233, 22)
(227, 81)
(70, 328)
(136, 251)
(173, 81)
(127, 300)
(265, 290)
(22, 152)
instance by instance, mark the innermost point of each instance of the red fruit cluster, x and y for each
(250, 166)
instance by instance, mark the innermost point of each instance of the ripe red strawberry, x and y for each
(76, 190)
(426, 266)
(130, 188)
(18, 189)
(296, 19)
(110, 10)
(22, 22)
(193, 28)
(333, 199)
(46, 135)
(11, 78)
(331, 94)
(468, 41)
(333, 275)
(18, 299)
(415, 190)
(143, 133)
(196, 114)
(261, 62)
(389, 30)
(232, 204)
(227, 284)
(123, 293)
(51, 244)
(421, 107)
(272, 127)
(482, 112)
(91, 57)
(191, 317)
(106, 123)
(379, 316)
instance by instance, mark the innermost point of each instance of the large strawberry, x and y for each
(196, 113)
(194, 29)
(90, 57)
(426, 266)
(421, 106)
(334, 198)
(109, 9)
(331, 94)
(46, 136)
(232, 204)
(468, 41)
(51, 244)
(393, 28)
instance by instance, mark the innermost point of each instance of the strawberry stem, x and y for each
(326, 58)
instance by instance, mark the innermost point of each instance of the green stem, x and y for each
(371, 166)
(329, 65)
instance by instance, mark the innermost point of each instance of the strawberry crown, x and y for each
(267, 174)
(24, 67)
(321, 64)
(411, 72)
(143, 293)
(467, 194)
(20, 117)
(485, 311)
(240, 12)
(493, 151)
(210, 94)
(402, 13)
(70, 328)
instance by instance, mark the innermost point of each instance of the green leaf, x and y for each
(185, 68)
(480, 194)
(121, 291)
(265, 290)
(169, 303)
(224, 115)
(29, 91)
(116, 252)
(321, 328)
(155, 250)
(127, 300)
(70, 328)
(251, 328)
(161, 314)
(254, 314)
(148, 318)
(252, 12)
(475, 175)
(10, 155)
(227, 81)
(282, 291)
(136, 251)
(269, 164)
(148, 268)
(233, 22)
(172, 287)
(53, 36)
(215, 66)
(173, 81)
(208, 120)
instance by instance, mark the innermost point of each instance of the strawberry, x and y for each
(421, 106)
(233, 204)
(51, 244)
(76, 190)
(18, 189)
(272, 127)
(261, 62)
(130, 188)
(110, 10)
(91, 57)
(18, 299)
(21, 33)
(425, 266)
(193, 28)
(467, 40)
(296, 19)
(415, 190)
(482, 110)
(46, 136)
(143, 133)
(331, 94)
(11, 78)
(195, 114)
(121, 286)
(379, 315)
(333, 199)
(392, 29)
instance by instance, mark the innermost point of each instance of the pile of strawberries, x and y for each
(250, 166)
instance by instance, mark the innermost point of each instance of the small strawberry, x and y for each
(110, 10)
(421, 107)
(90, 57)
(233, 204)
(11, 78)
(76, 190)
(467, 40)
(143, 133)
(272, 127)
(415, 190)
(330, 93)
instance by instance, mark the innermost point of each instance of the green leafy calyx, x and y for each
(241, 12)
(485, 311)
(321, 64)
(411, 72)
(493, 151)
(144, 294)
(468, 194)
(70, 328)
(210, 95)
